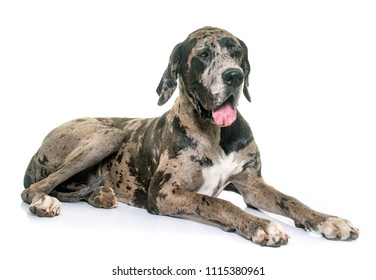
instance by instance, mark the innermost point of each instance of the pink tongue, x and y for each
(225, 115)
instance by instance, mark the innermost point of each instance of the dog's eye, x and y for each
(237, 53)
(204, 54)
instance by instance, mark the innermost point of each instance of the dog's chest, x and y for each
(216, 177)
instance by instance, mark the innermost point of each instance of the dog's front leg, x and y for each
(167, 197)
(260, 195)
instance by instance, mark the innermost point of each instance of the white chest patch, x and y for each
(216, 176)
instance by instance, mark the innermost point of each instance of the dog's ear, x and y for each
(247, 69)
(168, 82)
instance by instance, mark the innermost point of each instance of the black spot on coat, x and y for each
(227, 42)
(204, 161)
(180, 140)
(140, 198)
(236, 137)
(44, 160)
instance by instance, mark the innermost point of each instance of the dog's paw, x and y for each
(45, 206)
(338, 229)
(271, 234)
(103, 197)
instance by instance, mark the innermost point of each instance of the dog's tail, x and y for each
(81, 194)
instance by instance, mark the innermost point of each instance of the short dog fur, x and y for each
(176, 164)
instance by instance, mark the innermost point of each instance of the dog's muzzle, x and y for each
(223, 114)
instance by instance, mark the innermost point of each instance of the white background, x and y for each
(312, 114)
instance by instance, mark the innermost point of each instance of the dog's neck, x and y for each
(228, 139)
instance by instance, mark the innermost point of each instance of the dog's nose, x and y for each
(233, 77)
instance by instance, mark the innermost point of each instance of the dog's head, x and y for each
(212, 67)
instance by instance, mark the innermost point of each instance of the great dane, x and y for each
(176, 164)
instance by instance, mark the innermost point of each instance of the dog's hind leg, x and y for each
(66, 151)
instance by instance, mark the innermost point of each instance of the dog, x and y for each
(176, 164)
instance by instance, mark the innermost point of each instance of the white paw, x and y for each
(45, 206)
(337, 228)
(272, 235)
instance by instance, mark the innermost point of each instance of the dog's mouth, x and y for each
(223, 115)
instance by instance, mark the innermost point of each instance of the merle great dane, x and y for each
(176, 164)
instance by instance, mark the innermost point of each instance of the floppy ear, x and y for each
(168, 83)
(246, 68)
